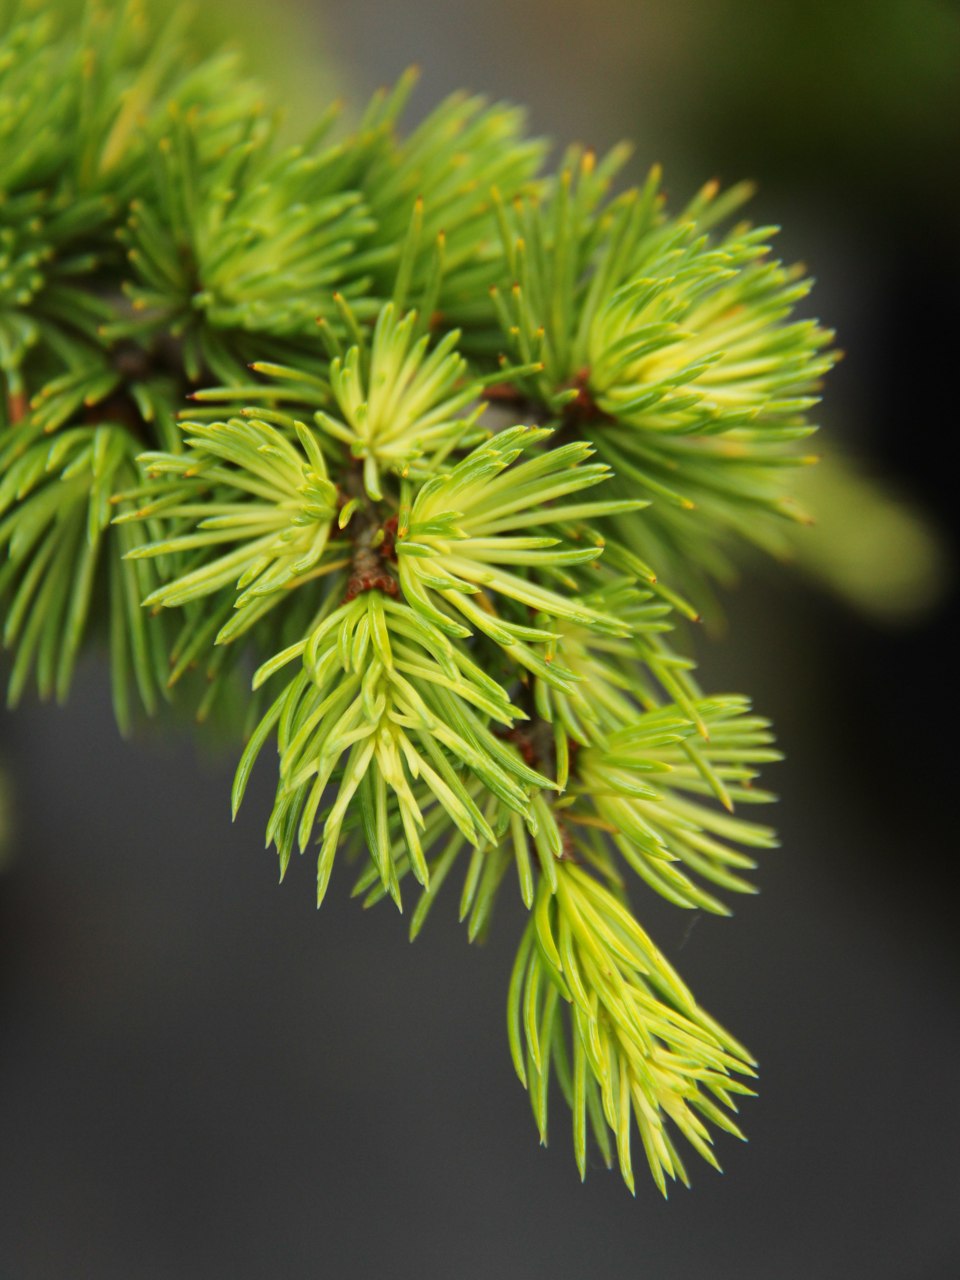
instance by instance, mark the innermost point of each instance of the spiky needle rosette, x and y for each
(451, 530)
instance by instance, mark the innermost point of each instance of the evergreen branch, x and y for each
(460, 654)
(645, 782)
(458, 533)
(387, 691)
(637, 1049)
(400, 402)
(246, 485)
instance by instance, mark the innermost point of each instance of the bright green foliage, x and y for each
(447, 526)
(388, 693)
(673, 350)
(400, 403)
(638, 1046)
(457, 533)
(644, 781)
(275, 515)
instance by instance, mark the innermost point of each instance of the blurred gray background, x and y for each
(202, 1077)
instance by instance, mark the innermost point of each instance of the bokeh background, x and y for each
(201, 1077)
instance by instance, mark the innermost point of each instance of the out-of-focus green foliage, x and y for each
(869, 544)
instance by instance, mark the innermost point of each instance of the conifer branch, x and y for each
(441, 445)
